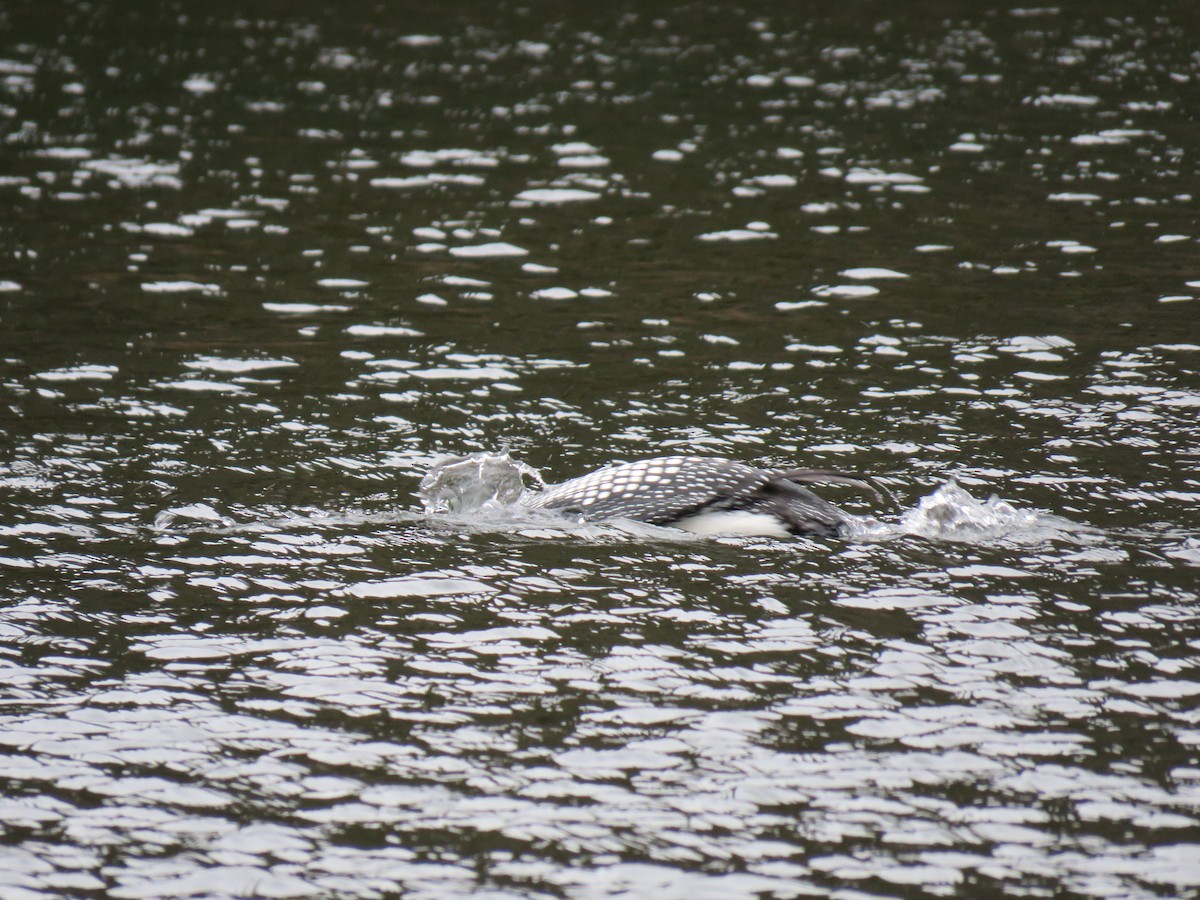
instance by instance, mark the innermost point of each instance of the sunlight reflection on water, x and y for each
(263, 270)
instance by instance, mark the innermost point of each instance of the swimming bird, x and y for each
(705, 495)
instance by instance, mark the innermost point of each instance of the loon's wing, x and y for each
(802, 511)
(658, 491)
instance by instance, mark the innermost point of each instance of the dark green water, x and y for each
(260, 264)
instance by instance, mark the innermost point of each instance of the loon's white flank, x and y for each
(741, 522)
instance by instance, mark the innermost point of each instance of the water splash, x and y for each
(458, 484)
(200, 515)
(951, 513)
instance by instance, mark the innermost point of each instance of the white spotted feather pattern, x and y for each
(670, 489)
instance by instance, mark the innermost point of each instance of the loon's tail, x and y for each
(817, 476)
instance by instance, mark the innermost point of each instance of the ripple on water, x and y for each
(250, 299)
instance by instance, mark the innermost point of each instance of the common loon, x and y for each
(705, 495)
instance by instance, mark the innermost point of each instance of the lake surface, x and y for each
(261, 264)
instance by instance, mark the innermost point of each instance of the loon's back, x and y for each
(704, 494)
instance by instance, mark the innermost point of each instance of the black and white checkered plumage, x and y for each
(701, 494)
